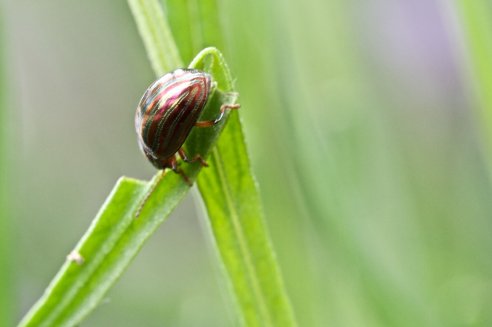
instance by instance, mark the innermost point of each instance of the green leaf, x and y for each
(77, 284)
(240, 234)
(231, 196)
(135, 209)
(156, 35)
(117, 234)
(195, 25)
(237, 224)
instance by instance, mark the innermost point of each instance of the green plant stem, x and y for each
(237, 224)
(234, 209)
(156, 35)
(117, 234)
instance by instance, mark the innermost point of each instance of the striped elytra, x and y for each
(167, 112)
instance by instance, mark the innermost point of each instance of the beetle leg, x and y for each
(174, 167)
(223, 108)
(196, 158)
(231, 94)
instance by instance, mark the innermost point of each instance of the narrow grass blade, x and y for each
(196, 24)
(156, 35)
(116, 235)
(87, 281)
(114, 238)
(237, 224)
(240, 234)
(230, 193)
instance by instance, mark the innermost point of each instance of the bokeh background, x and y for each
(368, 134)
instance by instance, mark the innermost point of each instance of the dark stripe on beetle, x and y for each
(179, 128)
(170, 119)
(164, 88)
(167, 113)
(150, 112)
(160, 121)
(155, 106)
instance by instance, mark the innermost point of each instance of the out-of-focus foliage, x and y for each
(361, 122)
(476, 22)
(7, 298)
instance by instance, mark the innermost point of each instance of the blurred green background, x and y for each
(368, 131)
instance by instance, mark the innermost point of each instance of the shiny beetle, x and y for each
(168, 111)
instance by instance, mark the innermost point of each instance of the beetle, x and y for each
(167, 112)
